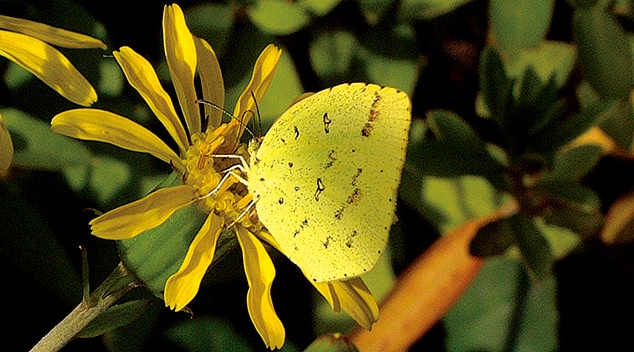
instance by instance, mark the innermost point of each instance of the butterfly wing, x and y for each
(326, 174)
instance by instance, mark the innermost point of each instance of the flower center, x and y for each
(211, 174)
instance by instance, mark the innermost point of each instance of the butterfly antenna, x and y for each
(258, 127)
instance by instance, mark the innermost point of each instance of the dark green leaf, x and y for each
(574, 163)
(618, 123)
(205, 334)
(28, 243)
(450, 147)
(605, 52)
(331, 343)
(492, 239)
(425, 9)
(496, 87)
(533, 246)
(584, 4)
(319, 7)
(572, 206)
(559, 132)
(115, 317)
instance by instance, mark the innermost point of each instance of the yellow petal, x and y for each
(183, 286)
(49, 34)
(260, 273)
(143, 78)
(47, 64)
(104, 126)
(263, 73)
(180, 53)
(6, 148)
(354, 297)
(144, 214)
(213, 86)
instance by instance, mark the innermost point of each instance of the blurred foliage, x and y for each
(527, 102)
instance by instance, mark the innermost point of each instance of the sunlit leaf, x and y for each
(36, 146)
(278, 17)
(519, 24)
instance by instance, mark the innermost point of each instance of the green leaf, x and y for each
(427, 9)
(37, 147)
(574, 163)
(216, 32)
(284, 88)
(154, 255)
(519, 24)
(319, 7)
(398, 73)
(278, 17)
(373, 10)
(481, 320)
(618, 123)
(538, 326)
(111, 79)
(560, 132)
(560, 239)
(533, 246)
(114, 317)
(31, 247)
(605, 52)
(584, 4)
(449, 202)
(332, 53)
(548, 59)
(331, 343)
(448, 146)
(496, 87)
(207, 334)
(504, 311)
(572, 206)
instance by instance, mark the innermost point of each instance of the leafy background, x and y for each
(493, 84)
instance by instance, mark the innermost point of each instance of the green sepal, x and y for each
(115, 317)
(154, 255)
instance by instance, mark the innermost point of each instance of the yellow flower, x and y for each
(25, 43)
(206, 181)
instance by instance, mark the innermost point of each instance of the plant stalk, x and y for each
(115, 286)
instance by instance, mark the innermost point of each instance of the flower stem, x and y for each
(116, 285)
